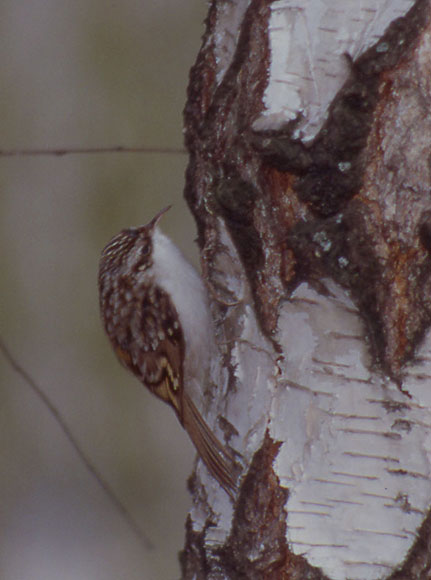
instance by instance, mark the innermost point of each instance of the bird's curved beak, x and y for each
(153, 223)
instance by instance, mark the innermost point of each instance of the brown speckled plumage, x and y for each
(144, 328)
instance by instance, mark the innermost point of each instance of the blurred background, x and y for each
(86, 73)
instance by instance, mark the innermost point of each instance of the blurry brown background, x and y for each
(86, 73)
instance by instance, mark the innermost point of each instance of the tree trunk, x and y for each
(309, 128)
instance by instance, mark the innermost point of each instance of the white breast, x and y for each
(187, 291)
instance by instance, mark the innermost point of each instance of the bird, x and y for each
(155, 312)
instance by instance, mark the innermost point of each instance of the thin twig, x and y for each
(59, 152)
(136, 529)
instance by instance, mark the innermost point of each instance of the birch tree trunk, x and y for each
(309, 129)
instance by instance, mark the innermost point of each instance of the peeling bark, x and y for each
(315, 235)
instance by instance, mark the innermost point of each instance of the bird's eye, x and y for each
(145, 251)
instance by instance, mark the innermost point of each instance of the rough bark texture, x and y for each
(353, 205)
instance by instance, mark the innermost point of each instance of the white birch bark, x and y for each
(309, 178)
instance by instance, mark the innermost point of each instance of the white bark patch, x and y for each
(356, 451)
(229, 19)
(247, 408)
(307, 43)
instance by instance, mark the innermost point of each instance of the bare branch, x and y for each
(60, 152)
(88, 464)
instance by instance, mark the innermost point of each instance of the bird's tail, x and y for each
(218, 460)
